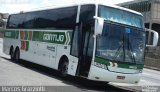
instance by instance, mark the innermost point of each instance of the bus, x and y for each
(95, 41)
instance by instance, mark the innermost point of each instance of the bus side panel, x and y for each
(64, 50)
(8, 42)
(73, 65)
(39, 52)
(6, 45)
(43, 53)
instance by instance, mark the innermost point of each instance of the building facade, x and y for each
(150, 10)
(3, 19)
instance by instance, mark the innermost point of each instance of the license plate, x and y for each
(121, 77)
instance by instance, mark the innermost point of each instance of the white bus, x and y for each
(97, 41)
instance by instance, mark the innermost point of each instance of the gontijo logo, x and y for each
(53, 37)
(57, 37)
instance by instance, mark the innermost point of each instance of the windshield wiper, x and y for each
(131, 50)
(122, 46)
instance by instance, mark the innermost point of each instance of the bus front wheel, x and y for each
(64, 69)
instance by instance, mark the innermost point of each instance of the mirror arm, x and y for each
(99, 23)
(155, 38)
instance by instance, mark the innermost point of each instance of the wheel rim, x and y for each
(12, 56)
(17, 55)
(65, 68)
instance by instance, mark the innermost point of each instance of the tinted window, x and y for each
(90, 46)
(121, 16)
(122, 44)
(63, 18)
(29, 20)
(75, 44)
(87, 12)
(16, 21)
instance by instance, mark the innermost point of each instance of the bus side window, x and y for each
(29, 21)
(87, 13)
(90, 45)
(16, 21)
(86, 43)
(74, 50)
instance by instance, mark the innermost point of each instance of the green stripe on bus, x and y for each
(102, 61)
(10, 34)
(70, 35)
(27, 45)
(37, 36)
(42, 36)
(130, 66)
(127, 66)
(16, 34)
(51, 37)
(26, 35)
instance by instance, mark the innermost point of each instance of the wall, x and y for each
(152, 58)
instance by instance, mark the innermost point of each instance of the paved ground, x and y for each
(28, 74)
(1, 46)
(150, 82)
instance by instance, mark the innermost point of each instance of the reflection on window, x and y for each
(122, 44)
(90, 46)
(120, 16)
(62, 18)
(75, 44)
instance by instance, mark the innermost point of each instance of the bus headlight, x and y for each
(100, 65)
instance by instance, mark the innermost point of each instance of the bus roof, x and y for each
(76, 4)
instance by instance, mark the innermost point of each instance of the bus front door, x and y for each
(85, 50)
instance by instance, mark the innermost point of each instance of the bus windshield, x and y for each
(120, 16)
(121, 44)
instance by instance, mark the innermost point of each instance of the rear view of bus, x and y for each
(120, 45)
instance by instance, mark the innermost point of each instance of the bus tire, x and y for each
(64, 68)
(17, 54)
(11, 52)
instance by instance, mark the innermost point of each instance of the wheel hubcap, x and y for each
(17, 55)
(65, 68)
(12, 54)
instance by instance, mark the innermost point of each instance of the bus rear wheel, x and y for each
(12, 54)
(17, 55)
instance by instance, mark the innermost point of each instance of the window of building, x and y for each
(141, 6)
(146, 25)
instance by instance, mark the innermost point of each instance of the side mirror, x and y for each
(152, 39)
(99, 22)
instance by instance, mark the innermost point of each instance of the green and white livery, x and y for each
(94, 40)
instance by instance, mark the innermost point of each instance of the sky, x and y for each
(16, 6)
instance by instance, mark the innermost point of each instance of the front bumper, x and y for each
(100, 74)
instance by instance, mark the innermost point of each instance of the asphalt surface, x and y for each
(25, 73)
